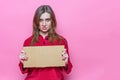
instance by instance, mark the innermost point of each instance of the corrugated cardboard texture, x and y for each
(44, 56)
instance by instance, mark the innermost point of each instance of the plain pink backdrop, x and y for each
(92, 28)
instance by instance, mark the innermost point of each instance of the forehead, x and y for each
(45, 15)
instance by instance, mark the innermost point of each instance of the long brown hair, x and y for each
(52, 33)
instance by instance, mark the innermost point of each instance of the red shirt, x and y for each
(49, 73)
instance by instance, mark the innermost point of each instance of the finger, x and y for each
(64, 51)
(65, 55)
(22, 56)
(25, 59)
(63, 58)
(23, 52)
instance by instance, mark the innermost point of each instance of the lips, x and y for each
(44, 28)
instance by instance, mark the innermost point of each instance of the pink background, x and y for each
(92, 28)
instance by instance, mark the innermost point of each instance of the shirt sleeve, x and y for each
(24, 70)
(67, 69)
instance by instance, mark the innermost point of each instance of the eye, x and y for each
(48, 20)
(40, 20)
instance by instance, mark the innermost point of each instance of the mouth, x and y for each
(44, 28)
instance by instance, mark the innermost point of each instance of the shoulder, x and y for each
(63, 40)
(28, 41)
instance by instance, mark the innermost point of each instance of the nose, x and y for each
(44, 23)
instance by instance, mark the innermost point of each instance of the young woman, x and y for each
(44, 34)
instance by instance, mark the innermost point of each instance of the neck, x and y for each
(43, 34)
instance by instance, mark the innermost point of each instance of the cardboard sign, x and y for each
(44, 56)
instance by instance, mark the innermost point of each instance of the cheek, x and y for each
(40, 24)
(49, 25)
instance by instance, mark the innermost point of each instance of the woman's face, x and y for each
(45, 22)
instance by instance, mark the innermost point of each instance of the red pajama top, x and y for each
(49, 73)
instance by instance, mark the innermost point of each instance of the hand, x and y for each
(65, 56)
(23, 56)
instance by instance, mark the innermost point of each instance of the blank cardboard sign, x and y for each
(44, 56)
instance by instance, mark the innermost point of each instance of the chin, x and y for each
(46, 31)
